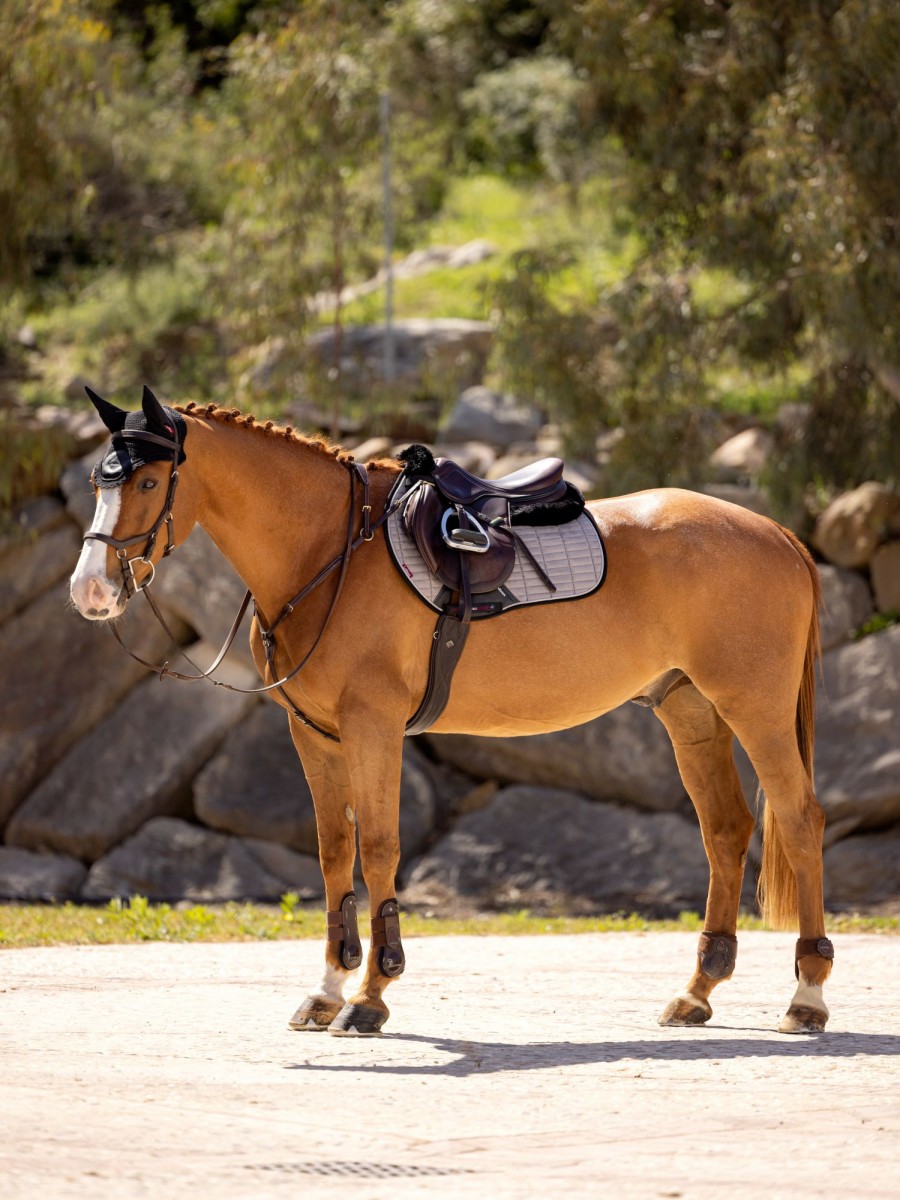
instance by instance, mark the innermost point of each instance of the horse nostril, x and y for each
(103, 612)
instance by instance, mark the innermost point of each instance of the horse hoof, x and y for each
(686, 1010)
(315, 1014)
(801, 1019)
(358, 1020)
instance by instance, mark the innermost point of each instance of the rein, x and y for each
(358, 473)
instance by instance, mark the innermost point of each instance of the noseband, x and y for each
(120, 545)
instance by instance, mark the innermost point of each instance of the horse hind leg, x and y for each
(791, 877)
(703, 750)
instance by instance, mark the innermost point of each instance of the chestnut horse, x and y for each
(700, 591)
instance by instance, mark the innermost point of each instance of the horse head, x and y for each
(135, 483)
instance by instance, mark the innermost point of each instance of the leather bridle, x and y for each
(120, 545)
(358, 474)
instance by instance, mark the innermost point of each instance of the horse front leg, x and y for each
(703, 746)
(373, 743)
(326, 773)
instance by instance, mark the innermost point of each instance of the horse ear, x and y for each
(113, 418)
(155, 413)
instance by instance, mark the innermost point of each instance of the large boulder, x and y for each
(41, 548)
(75, 485)
(854, 524)
(445, 347)
(27, 876)
(624, 756)
(136, 764)
(61, 675)
(169, 859)
(483, 415)
(81, 423)
(846, 604)
(864, 871)
(202, 588)
(743, 456)
(254, 786)
(555, 851)
(858, 734)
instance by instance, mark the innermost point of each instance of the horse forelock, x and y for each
(285, 433)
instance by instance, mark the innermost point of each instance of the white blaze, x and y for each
(90, 586)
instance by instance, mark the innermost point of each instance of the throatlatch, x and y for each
(343, 928)
(386, 939)
(822, 947)
(717, 953)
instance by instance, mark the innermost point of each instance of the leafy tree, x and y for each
(525, 119)
(306, 214)
(47, 55)
(764, 138)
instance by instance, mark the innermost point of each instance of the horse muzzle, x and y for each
(96, 598)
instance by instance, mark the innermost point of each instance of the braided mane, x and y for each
(322, 445)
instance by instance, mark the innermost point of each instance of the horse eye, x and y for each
(147, 485)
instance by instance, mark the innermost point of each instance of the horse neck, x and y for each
(276, 509)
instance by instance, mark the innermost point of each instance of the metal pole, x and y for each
(389, 358)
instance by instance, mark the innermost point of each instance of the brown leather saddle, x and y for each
(464, 526)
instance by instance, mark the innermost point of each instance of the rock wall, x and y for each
(114, 784)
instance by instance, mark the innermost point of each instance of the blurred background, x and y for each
(658, 239)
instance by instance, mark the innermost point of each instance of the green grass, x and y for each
(138, 920)
(513, 217)
(876, 624)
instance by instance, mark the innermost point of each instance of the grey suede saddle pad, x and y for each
(572, 556)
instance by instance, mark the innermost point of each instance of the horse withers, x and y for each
(708, 614)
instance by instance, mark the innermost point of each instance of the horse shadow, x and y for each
(490, 1058)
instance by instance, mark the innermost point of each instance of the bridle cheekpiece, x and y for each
(116, 468)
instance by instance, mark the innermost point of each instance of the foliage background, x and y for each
(695, 204)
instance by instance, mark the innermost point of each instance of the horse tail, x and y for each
(777, 889)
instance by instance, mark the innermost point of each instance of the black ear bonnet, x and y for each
(124, 455)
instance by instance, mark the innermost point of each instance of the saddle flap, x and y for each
(424, 514)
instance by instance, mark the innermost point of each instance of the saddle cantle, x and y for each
(473, 548)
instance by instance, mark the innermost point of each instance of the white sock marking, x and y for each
(809, 995)
(333, 981)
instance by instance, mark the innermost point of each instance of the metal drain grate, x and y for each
(359, 1170)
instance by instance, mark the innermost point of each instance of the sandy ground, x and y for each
(512, 1067)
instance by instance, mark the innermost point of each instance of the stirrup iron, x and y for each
(475, 541)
